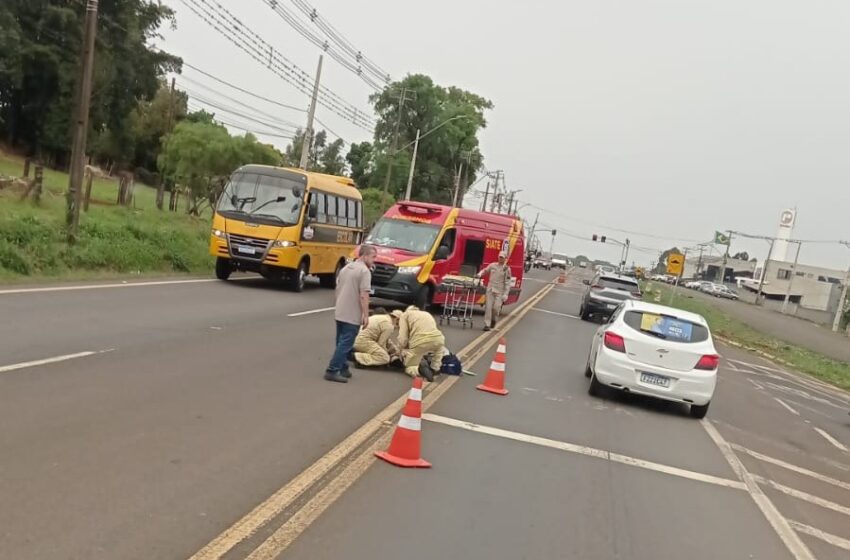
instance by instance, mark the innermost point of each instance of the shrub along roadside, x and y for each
(111, 241)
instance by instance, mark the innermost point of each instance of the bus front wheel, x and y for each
(223, 269)
(295, 282)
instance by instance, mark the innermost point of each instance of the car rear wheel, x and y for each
(584, 313)
(699, 411)
(223, 269)
(596, 389)
(587, 371)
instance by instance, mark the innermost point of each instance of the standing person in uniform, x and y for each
(418, 335)
(351, 312)
(498, 288)
(374, 346)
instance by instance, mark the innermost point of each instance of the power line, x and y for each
(340, 40)
(215, 105)
(244, 127)
(269, 116)
(245, 91)
(341, 57)
(227, 25)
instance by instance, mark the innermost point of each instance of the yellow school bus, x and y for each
(286, 223)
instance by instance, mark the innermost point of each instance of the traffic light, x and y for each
(594, 237)
(554, 231)
(602, 239)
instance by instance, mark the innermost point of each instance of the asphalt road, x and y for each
(203, 400)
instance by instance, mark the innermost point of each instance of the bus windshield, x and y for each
(262, 199)
(405, 235)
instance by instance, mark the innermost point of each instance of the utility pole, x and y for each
(625, 253)
(81, 123)
(402, 97)
(486, 194)
(699, 261)
(552, 244)
(308, 133)
(722, 275)
(160, 189)
(791, 279)
(457, 185)
(764, 271)
(533, 227)
(840, 311)
(412, 167)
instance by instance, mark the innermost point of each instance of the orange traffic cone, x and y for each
(562, 277)
(495, 380)
(405, 446)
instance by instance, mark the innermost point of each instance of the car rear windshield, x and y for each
(618, 284)
(666, 327)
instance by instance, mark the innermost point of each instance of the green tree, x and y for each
(452, 117)
(202, 156)
(331, 160)
(40, 42)
(361, 161)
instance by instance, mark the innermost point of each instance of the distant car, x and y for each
(542, 262)
(559, 261)
(605, 292)
(707, 287)
(724, 292)
(656, 351)
(582, 264)
(693, 284)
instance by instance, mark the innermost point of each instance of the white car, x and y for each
(656, 351)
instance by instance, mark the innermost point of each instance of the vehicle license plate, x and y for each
(247, 250)
(653, 379)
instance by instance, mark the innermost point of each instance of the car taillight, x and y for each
(636, 295)
(596, 287)
(708, 362)
(614, 342)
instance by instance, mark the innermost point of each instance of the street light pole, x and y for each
(764, 270)
(840, 311)
(412, 167)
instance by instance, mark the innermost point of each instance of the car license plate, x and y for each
(653, 379)
(247, 250)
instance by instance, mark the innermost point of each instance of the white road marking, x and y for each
(805, 395)
(831, 439)
(790, 467)
(584, 450)
(804, 496)
(556, 313)
(53, 360)
(792, 540)
(310, 312)
(786, 406)
(756, 384)
(822, 535)
(106, 286)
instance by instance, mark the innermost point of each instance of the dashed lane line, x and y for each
(53, 360)
(310, 312)
(584, 450)
(831, 439)
(557, 313)
(789, 537)
(786, 406)
(791, 467)
(834, 540)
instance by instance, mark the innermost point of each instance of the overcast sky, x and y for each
(671, 118)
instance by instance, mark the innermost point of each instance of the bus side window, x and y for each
(331, 209)
(321, 204)
(359, 214)
(352, 213)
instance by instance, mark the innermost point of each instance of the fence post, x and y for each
(27, 163)
(39, 179)
(89, 179)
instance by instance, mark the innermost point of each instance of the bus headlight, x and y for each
(218, 233)
(281, 244)
(409, 269)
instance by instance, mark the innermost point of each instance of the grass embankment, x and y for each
(112, 240)
(801, 359)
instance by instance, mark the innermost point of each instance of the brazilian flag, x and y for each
(721, 238)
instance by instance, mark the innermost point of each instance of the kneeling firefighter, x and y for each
(418, 336)
(374, 346)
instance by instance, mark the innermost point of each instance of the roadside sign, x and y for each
(675, 264)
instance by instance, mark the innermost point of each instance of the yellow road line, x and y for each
(286, 534)
(273, 506)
